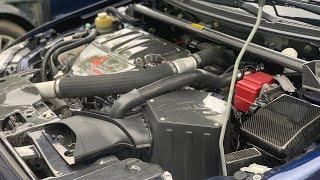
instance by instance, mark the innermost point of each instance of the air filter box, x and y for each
(284, 127)
(186, 127)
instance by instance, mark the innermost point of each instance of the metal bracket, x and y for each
(311, 75)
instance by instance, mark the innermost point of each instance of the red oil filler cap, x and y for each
(247, 90)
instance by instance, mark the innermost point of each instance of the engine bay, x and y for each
(130, 96)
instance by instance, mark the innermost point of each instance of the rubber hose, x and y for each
(124, 82)
(92, 35)
(44, 63)
(138, 96)
(123, 17)
(112, 83)
(209, 56)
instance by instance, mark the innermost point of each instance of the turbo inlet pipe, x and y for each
(120, 83)
(139, 96)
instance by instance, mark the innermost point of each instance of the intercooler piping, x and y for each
(121, 83)
(138, 96)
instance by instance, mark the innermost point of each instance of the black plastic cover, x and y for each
(186, 131)
(93, 136)
(19, 97)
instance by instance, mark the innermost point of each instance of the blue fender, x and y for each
(307, 166)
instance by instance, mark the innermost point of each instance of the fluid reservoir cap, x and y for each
(290, 52)
(103, 22)
(103, 15)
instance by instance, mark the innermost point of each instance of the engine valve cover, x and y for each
(124, 50)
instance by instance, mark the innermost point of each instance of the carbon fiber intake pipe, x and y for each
(86, 86)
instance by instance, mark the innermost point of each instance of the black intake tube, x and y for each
(209, 56)
(124, 82)
(138, 96)
(112, 83)
(263, 52)
(119, 83)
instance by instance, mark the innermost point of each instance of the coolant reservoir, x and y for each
(104, 23)
(290, 52)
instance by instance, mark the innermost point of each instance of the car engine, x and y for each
(146, 99)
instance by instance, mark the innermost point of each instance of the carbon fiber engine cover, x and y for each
(284, 127)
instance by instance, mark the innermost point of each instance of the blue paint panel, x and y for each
(305, 167)
(60, 7)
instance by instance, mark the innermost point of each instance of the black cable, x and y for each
(62, 47)
(92, 35)
(44, 63)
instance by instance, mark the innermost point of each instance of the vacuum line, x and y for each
(233, 82)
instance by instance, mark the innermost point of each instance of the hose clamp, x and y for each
(197, 58)
(57, 88)
(185, 64)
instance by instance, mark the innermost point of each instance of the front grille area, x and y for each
(284, 127)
